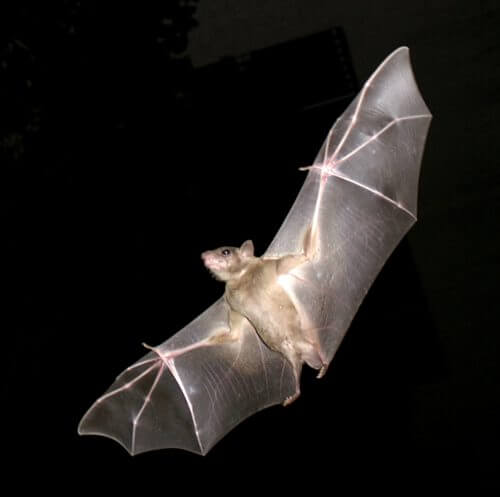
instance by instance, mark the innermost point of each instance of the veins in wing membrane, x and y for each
(147, 399)
(332, 163)
(158, 363)
(329, 167)
(155, 364)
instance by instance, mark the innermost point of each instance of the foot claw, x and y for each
(322, 371)
(290, 399)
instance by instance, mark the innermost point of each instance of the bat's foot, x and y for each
(291, 399)
(322, 371)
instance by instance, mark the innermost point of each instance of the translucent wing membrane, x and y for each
(379, 140)
(188, 395)
(358, 200)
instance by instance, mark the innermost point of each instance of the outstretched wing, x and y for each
(358, 200)
(188, 394)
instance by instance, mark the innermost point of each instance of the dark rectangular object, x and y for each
(297, 75)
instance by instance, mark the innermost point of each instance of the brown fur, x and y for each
(254, 292)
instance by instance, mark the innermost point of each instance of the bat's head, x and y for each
(227, 263)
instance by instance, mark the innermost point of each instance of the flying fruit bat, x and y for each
(293, 304)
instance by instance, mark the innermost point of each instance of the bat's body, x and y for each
(256, 291)
(293, 304)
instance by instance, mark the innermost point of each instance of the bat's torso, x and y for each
(259, 297)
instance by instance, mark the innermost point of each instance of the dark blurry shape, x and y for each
(56, 59)
(303, 79)
(79, 80)
(298, 75)
(273, 108)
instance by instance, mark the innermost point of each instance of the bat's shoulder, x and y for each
(285, 263)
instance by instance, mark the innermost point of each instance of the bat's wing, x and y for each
(188, 394)
(357, 202)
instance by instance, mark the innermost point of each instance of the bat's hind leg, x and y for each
(312, 355)
(296, 363)
(323, 365)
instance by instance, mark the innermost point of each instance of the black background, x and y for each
(121, 164)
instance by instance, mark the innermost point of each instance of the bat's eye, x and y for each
(226, 252)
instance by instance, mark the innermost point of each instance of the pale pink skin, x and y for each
(213, 261)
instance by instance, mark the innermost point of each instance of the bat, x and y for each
(292, 305)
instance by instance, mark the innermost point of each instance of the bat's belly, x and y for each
(275, 320)
(273, 315)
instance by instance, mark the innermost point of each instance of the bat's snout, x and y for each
(209, 259)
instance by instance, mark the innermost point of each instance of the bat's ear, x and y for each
(246, 249)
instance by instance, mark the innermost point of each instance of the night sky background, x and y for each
(133, 137)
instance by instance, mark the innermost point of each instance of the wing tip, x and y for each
(402, 48)
(85, 428)
(403, 52)
(82, 431)
(89, 425)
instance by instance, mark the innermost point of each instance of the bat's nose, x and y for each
(207, 257)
